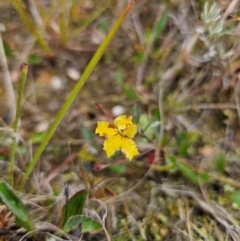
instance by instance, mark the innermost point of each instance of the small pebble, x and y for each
(56, 83)
(42, 126)
(73, 74)
(118, 110)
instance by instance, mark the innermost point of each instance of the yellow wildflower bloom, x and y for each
(119, 136)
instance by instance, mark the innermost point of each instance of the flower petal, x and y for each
(129, 148)
(125, 126)
(122, 120)
(131, 131)
(103, 129)
(112, 145)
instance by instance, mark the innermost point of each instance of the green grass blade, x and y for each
(15, 124)
(220, 163)
(75, 92)
(19, 101)
(159, 26)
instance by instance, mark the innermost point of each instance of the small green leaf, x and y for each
(204, 177)
(117, 168)
(172, 159)
(220, 163)
(158, 28)
(74, 206)
(14, 203)
(87, 224)
(139, 58)
(185, 140)
(8, 51)
(129, 91)
(156, 114)
(161, 24)
(38, 137)
(34, 59)
(164, 140)
(187, 172)
(235, 197)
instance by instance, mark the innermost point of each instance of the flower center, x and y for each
(121, 130)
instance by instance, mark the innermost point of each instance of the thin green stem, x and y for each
(16, 121)
(74, 93)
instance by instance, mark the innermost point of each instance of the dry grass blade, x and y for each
(11, 100)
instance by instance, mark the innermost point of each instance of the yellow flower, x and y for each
(119, 136)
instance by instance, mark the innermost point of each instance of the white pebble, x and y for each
(73, 74)
(118, 110)
(56, 83)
